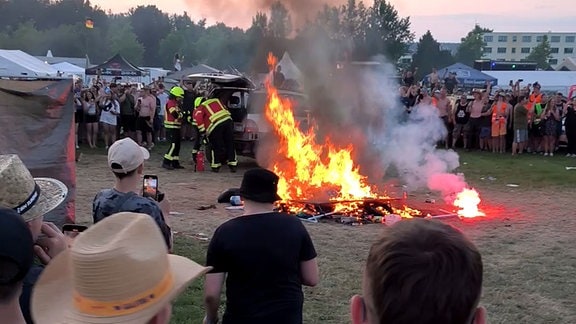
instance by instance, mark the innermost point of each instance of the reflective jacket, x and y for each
(210, 114)
(173, 115)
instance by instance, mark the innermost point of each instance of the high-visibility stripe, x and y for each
(216, 123)
(213, 163)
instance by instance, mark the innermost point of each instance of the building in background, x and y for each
(516, 46)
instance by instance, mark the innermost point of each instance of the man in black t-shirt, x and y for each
(265, 258)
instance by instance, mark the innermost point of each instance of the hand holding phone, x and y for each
(150, 186)
(71, 231)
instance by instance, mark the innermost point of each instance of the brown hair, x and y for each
(425, 272)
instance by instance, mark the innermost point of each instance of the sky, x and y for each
(448, 20)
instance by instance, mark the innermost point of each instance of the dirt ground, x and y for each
(527, 241)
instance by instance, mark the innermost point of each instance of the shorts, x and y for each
(90, 119)
(158, 122)
(142, 125)
(128, 122)
(79, 116)
(499, 128)
(459, 129)
(485, 132)
(520, 135)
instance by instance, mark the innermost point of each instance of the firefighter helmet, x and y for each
(198, 101)
(177, 92)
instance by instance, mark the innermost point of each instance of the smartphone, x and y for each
(150, 186)
(71, 231)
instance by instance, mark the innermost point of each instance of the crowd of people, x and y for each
(151, 114)
(122, 269)
(521, 119)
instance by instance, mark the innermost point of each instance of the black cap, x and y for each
(16, 247)
(260, 185)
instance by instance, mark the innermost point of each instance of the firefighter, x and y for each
(215, 121)
(197, 137)
(173, 122)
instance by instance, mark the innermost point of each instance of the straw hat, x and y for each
(30, 197)
(117, 271)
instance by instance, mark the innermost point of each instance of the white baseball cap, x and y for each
(125, 155)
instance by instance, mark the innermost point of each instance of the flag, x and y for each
(89, 23)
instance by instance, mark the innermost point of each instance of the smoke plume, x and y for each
(240, 12)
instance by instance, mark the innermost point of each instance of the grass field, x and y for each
(527, 239)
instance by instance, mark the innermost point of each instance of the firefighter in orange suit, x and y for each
(173, 122)
(214, 120)
(197, 137)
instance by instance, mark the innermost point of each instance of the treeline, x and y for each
(149, 37)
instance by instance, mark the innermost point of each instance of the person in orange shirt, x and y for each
(500, 115)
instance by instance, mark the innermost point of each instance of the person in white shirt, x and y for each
(163, 96)
(110, 108)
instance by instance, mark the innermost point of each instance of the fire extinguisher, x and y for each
(199, 161)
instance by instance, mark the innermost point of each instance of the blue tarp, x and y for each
(467, 77)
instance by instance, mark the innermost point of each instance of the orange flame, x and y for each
(468, 200)
(310, 168)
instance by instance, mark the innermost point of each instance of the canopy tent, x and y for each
(69, 70)
(467, 77)
(289, 69)
(552, 81)
(15, 63)
(117, 66)
(200, 68)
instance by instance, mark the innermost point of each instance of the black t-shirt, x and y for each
(188, 101)
(460, 115)
(261, 255)
(450, 84)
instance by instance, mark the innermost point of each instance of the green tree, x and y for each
(472, 46)
(429, 55)
(122, 40)
(150, 25)
(280, 24)
(387, 33)
(541, 54)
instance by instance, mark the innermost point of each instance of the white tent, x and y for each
(289, 69)
(549, 80)
(15, 63)
(69, 70)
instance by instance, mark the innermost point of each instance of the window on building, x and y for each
(568, 50)
(487, 50)
(502, 38)
(526, 39)
(553, 61)
(525, 50)
(488, 39)
(501, 50)
(539, 39)
(554, 50)
(513, 50)
(514, 38)
(555, 39)
(570, 39)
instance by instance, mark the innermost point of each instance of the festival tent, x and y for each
(117, 66)
(289, 69)
(550, 81)
(16, 63)
(68, 70)
(467, 77)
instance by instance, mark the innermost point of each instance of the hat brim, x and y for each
(52, 299)
(52, 193)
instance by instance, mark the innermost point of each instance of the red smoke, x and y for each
(240, 12)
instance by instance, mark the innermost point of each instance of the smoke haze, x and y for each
(240, 12)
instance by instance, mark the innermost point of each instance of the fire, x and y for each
(467, 200)
(310, 168)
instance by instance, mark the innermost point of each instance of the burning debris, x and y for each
(321, 180)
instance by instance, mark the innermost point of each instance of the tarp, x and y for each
(15, 63)
(37, 123)
(289, 69)
(116, 66)
(467, 77)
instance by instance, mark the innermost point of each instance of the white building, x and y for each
(515, 46)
